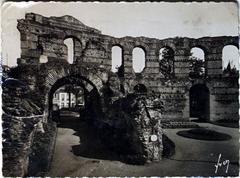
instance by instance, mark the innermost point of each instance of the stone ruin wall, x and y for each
(43, 35)
(92, 50)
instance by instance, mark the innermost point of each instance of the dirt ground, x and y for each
(78, 152)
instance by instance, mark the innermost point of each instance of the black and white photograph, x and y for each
(116, 89)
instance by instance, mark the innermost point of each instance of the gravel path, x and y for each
(78, 152)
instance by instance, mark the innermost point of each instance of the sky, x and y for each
(156, 20)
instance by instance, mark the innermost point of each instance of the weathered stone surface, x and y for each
(128, 128)
(130, 121)
(22, 120)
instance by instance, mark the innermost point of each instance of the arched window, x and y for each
(166, 60)
(230, 57)
(197, 63)
(138, 59)
(70, 49)
(116, 58)
(197, 53)
(140, 88)
(42, 58)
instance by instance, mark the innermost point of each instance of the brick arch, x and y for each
(188, 85)
(116, 44)
(228, 44)
(202, 47)
(74, 38)
(166, 43)
(86, 84)
(142, 46)
(91, 79)
(233, 43)
(131, 83)
(165, 46)
(57, 73)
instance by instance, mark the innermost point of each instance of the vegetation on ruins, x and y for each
(230, 71)
(197, 69)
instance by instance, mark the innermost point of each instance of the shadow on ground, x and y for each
(90, 145)
(204, 134)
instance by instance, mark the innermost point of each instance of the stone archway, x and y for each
(200, 102)
(56, 76)
(92, 98)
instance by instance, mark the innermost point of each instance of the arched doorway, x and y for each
(73, 85)
(78, 139)
(199, 102)
(68, 102)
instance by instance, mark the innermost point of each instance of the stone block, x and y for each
(181, 58)
(214, 64)
(152, 64)
(182, 70)
(183, 64)
(214, 71)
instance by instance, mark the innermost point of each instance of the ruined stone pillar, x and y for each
(151, 63)
(29, 47)
(77, 47)
(186, 110)
(213, 63)
(127, 60)
(181, 62)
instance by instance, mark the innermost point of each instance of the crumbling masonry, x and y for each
(92, 70)
(42, 35)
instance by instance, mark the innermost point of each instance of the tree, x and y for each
(230, 71)
(197, 69)
(166, 60)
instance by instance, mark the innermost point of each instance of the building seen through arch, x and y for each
(68, 96)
